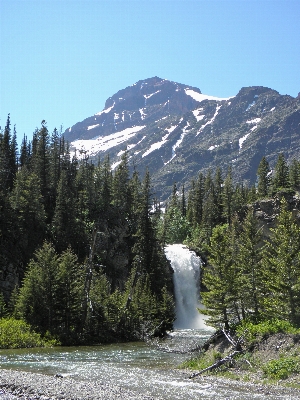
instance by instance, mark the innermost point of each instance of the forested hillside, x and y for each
(78, 247)
(81, 247)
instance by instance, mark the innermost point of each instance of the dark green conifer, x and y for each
(263, 184)
(281, 174)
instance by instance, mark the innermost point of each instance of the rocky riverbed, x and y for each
(31, 386)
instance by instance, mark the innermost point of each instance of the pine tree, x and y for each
(190, 213)
(263, 178)
(70, 282)
(248, 268)
(183, 202)
(208, 213)
(199, 199)
(145, 233)
(294, 174)
(281, 266)
(27, 203)
(41, 157)
(37, 301)
(218, 188)
(227, 196)
(8, 157)
(40, 164)
(64, 224)
(104, 185)
(25, 153)
(218, 278)
(281, 174)
(121, 193)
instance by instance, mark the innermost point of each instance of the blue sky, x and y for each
(61, 59)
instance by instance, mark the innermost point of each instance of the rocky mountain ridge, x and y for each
(175, 131)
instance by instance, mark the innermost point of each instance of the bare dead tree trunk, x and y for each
(237, 346)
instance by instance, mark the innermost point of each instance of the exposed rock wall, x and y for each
(267, 210)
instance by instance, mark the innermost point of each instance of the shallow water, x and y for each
(146, 368)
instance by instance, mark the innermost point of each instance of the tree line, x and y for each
(87, 243)
(82, 241)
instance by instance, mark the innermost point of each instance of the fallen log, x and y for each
(237, 347)
(217, 364)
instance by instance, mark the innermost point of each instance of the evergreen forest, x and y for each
(82, 248)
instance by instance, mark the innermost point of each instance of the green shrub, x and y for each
(282, 368)
(269, 327)
(17, 334)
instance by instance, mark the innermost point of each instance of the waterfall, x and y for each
(186, 266)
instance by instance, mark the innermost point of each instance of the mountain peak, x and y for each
(146, 100)
(176, 131)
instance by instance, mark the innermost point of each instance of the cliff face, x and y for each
(266, 211)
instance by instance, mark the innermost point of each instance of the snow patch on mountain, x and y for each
(242, 139)
(156, 146)
(107, 110)
(147, 96)
(254, 121)
(100, 143)
(200, 97)
(161, 119)
(197, 115)
(143, 114)
(213, 147)
(178, 143)
(171, 129)
(253, 103)
(92, 126)
(210, 121)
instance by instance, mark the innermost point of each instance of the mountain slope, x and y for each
(175, 131)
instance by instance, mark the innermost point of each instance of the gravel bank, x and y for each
(29, 386)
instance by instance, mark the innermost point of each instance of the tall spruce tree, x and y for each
(281, 174)
(65, 227)
(248, 267)
(281, 266)
(294, 174)
(8, 157)
(218, 278)
(26, 201)
(218, 188)
(227, 196)
(199, 199)
(263, 178)
(120, 187)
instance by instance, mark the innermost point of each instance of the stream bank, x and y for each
(32, 386)
(272, 359)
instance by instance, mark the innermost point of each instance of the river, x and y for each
(148, 368)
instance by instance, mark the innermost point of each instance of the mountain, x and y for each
(176, 131)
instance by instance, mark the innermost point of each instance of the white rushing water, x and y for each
(187, 267)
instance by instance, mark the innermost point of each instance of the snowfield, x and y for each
(200, 97)
(103, 143)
